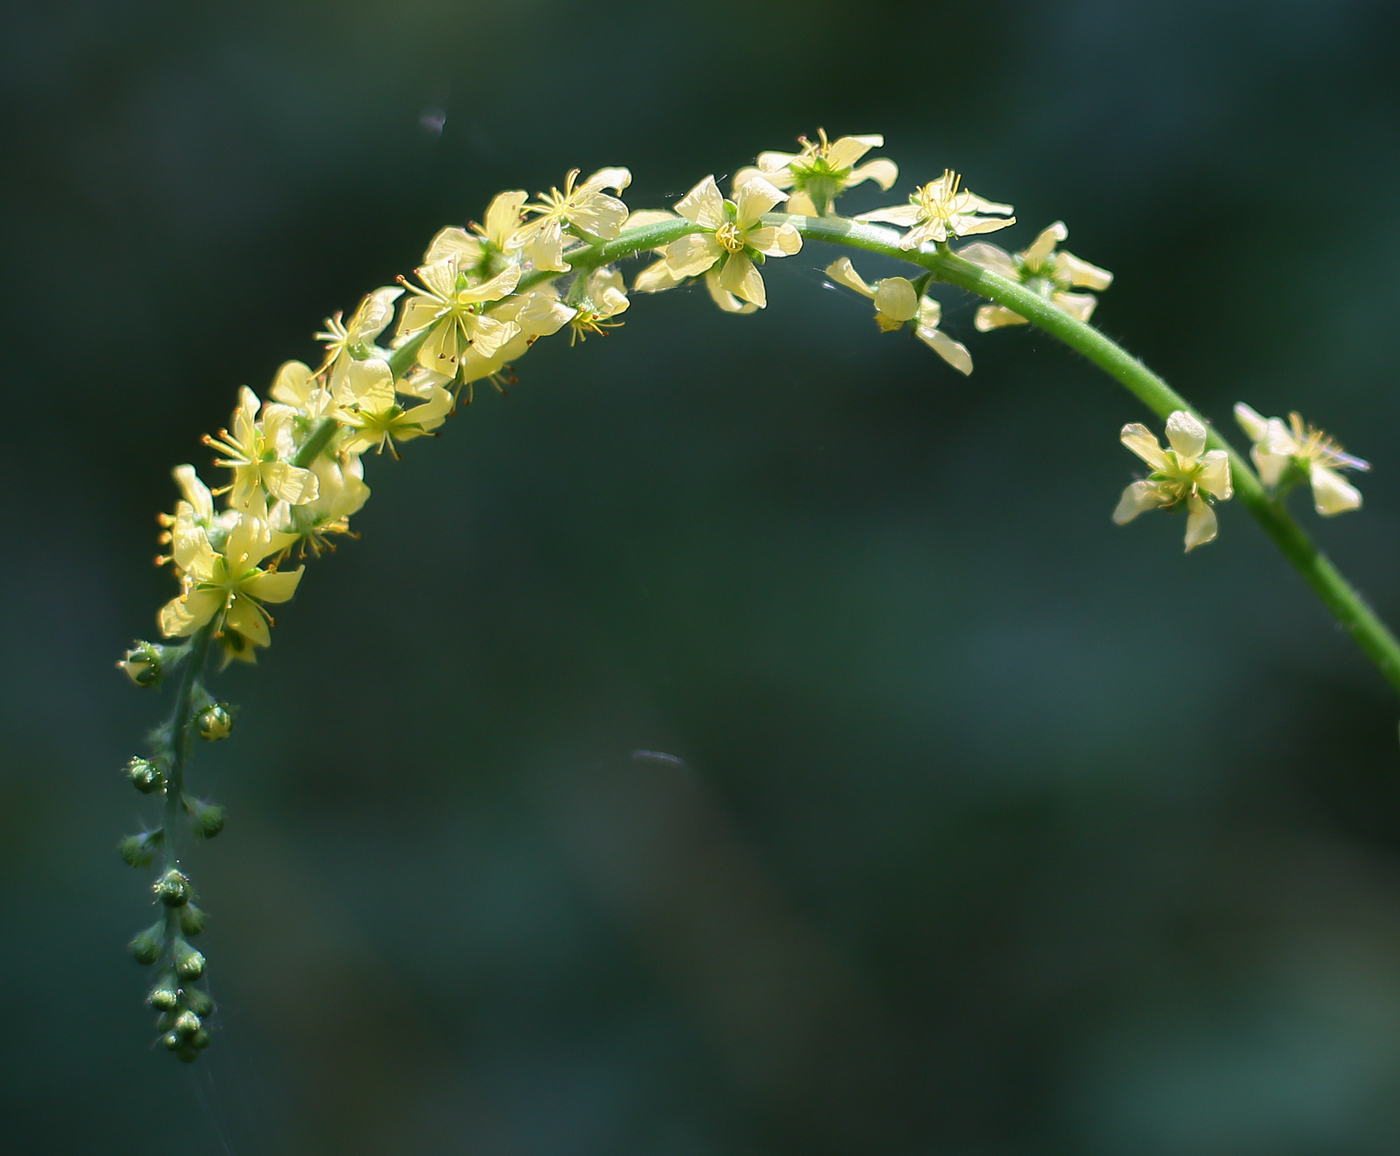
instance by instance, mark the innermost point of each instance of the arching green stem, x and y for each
(1345, 604)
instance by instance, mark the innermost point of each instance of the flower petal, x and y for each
(844, 273)
(896, 299)
(723, 298)
(1332, 493)
(953, 352)
(273, 585)
(1201, 523)
(883, 171)
(1254, 423)
(1137, 498)
(1186, 434)
(1213, 475)
(703, 205)
(741, 277)
(754, 198)
(692, 254)
(991, 317)
(1143, 442)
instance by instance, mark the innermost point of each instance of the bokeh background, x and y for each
(988, 827)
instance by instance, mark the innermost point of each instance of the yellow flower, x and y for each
(735, 242)
(822, 171)
(257, 453)
(603, 297)
(481, 253)
(454, 310)
(535, 314)
(1279, 447)
(194, 512)
(1186, 472)
(943, 209)
(896, 304)
(1054, 274)
(342, 493)
(895, 300)
(355, 338)
(226, 586)
(368, 404)
(299, 389)
(584, 210)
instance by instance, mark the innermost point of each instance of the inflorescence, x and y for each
(481, 298)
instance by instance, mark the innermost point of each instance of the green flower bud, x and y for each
(145, 946)
(145, 776)
(164, 998)
(199, 1002)
(214, 722)
(187, 1024)
(189, 963)
(172, 1041)
(207, 819)
(172, 889)
(191, 919)
(144, 663)
(139, 850)
(200, 1040)
(186, 1055)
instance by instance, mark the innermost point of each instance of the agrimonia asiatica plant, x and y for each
(485, 294)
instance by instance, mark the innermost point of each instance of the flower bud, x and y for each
(207, 819)
(139, 850)
(172, 1041)
(187, 1024)
(165, 996)
(214, 722)
(191, 919)
(145, 945)
(145, 776)
(172, 888)
(144, 663)
(200, 1002)
(189, 963)
(200, 1040)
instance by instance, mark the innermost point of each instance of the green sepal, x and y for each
(206, 819)
(140, 850)
(145, 945)
(191, 919)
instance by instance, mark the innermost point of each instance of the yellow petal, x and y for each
(1214, 475)
(691, 255)
(1143, 442)
(1254, 423)
(896, 299)
(953, 352)
(844, 273)
(883, 171)
(245, 617)
(1137, 498)
(273, 585)
(1332, 494)
(703, 205)
(723, 298)
(740, 277)
(1186, 434)
(991, 317)
(1201, 523)
(183, 616)
(1079, 272)
(756, 197)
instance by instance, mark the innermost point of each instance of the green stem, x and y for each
(1335, 592)
(180, 723)
(1346, 605)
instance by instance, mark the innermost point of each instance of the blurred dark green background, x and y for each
(1000, 830)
